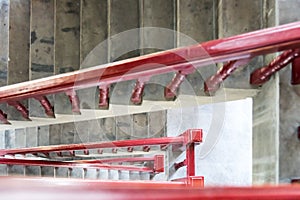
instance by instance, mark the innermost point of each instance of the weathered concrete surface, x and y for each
(67, 58)
(289, 106)
(19, 42)
(225, 156)
(32, 141)
(158, 23)
(193, 28)
(148, 106)
(123, 45)
(196, 19)
(237, 17)
(4, 28)
(4, 32)
(41, 47)
(67, 45)
(93, 33)
(265, 134)
(93, 26)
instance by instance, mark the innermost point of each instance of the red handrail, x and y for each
(193, 135)
(182, 60)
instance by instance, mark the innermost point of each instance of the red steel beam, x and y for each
(223, 50)
(71, 164)
(212, 84)
(59, 189)
(261, 75)
(190, 135)
(295, 80)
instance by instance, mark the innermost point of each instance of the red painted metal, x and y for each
(21, 108)
(171, 89)
(261, 75)
(138, 91)
(74, 101)
(295, 80)
(243, 46)
(104, 96)
(3, 117)
(159, 163)
(46, 105)
(121, 160)
(60, 189)
(100, 145)
(73, 164)
(188, 140)
(298, 132)
(212, 84)
(179, 165)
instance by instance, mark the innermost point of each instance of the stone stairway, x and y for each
(42, 38)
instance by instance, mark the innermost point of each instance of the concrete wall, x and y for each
(289, 106)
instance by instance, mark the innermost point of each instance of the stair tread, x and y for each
(227, 94)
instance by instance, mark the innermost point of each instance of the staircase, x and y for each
(44, 38)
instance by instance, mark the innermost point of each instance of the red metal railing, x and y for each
(187, 140)
(39, 188)
(236, 50)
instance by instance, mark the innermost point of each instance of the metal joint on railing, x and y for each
(295, 79)
(262, 75)
(74, 101)
(21, 108)
(103, 97)
(172, 87)
(49, 110)
(138, 91)
(179, 165)
(159, 163)
(3, 118)
(212, 84)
